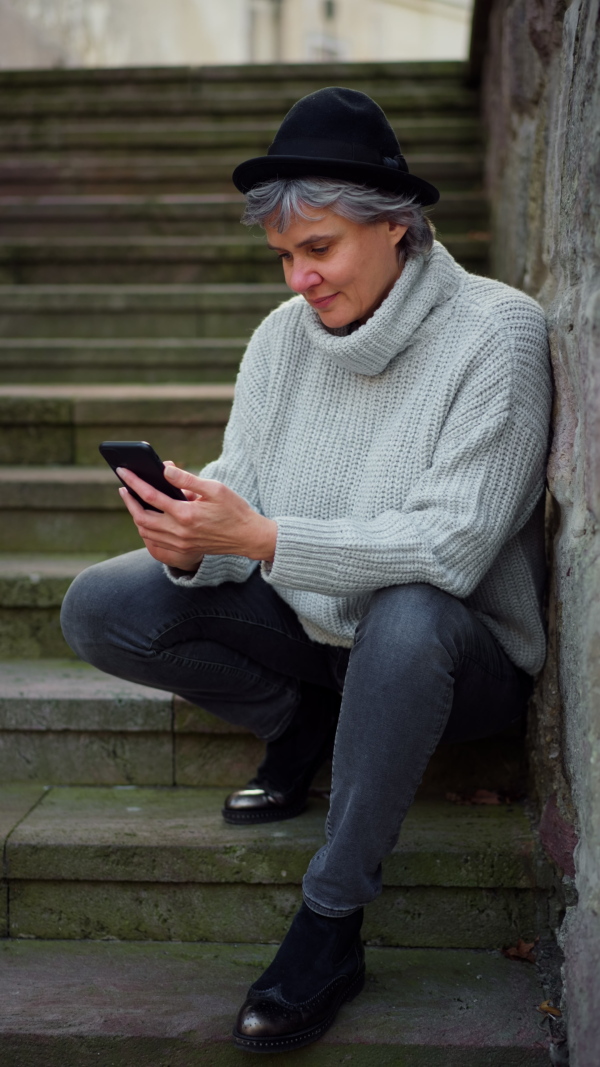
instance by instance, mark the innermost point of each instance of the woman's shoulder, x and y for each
(495, 306)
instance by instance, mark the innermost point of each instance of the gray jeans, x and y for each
(422, 669)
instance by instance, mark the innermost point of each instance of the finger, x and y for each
(144, 519)
(186, 481)
(147, 492)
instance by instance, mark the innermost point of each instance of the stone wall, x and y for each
(541, 90)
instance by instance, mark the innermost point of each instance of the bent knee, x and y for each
(417, 616)
(84, 610)
(101, 603)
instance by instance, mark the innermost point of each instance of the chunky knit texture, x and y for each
(412, 449)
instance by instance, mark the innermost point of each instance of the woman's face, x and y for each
(343, 269)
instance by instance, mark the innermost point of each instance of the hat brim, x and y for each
(270, 168)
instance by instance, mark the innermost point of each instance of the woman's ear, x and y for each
(396, 232)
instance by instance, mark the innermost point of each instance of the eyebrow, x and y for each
(315, 238)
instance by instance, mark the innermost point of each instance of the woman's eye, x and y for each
(319, 251)
(283, 255)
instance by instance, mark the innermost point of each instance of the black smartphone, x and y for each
(139, 457)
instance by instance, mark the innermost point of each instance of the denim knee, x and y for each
(412, 621)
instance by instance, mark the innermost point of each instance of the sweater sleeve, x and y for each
(235, 466)
(485, 477)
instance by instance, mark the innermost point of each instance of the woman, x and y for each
(371, 529)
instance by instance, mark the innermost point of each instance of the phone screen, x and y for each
(139, 457)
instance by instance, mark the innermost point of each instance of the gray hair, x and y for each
(287, 198)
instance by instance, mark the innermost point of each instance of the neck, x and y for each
(383, 295)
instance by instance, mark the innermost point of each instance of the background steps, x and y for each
(173, 260)
(62, 721)
(137, 863)
(64, 425)
(174, 1006)
(177, 215)
(109, 311)
(32, 588)
(127, 360)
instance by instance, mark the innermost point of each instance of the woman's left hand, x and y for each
(214, 520)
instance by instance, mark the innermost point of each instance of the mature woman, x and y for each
(372, 529)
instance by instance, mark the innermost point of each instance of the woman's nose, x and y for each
(302, 278)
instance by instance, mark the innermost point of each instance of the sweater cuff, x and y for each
(213, 570)
(307, 554)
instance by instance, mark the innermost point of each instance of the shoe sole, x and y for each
(303, 1037)
(266, 815)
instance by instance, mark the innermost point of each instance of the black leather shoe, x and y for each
(319, 966)
(259, 802)
(280, 788)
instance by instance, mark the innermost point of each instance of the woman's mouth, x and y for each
(323, 302)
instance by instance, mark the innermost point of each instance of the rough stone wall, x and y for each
(542, 108)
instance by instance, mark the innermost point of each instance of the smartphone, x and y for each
(139, 457)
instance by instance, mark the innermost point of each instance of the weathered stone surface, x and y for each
(15, 802)
(31, 591)
(86, 757)
(58, 425)
(178, 835)
(219, 760)
(39, 581)
(67, 723)
(542, 97)
(73, 1005)
(114, 359)
(416, 916)
(59, 695)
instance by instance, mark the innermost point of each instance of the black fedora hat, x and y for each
(336, 133)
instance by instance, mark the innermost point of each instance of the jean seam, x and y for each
(189, 617)
(217, 668)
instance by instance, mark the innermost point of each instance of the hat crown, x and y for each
(337, 115)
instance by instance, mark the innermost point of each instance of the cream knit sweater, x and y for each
(410, 450)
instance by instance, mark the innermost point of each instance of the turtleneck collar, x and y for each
(425, 283)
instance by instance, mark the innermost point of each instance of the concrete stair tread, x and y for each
(78, 392)
(138, 834)
(171, 259)
(36, 579)
(138, 863)
(64, 722)
(174, 1006)
(94, 360)
(215, 247)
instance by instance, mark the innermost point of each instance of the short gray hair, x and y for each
(285, 198)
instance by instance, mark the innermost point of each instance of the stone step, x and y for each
(250, 137)
(32, 588)
(44, 173)
(238, 90)
(66, 1004)
(168, 260)
(131, 360)
(63, 509)
(63, 722)
(136, 863)
(178, 215)
(135, 311)
(56, 424)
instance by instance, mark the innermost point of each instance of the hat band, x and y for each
(315, 148)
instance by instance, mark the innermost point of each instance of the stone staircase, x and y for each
(133, 918)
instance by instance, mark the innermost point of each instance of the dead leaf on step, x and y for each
(546, 1008)
(523, 950)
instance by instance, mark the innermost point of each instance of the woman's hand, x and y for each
(214, 520)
